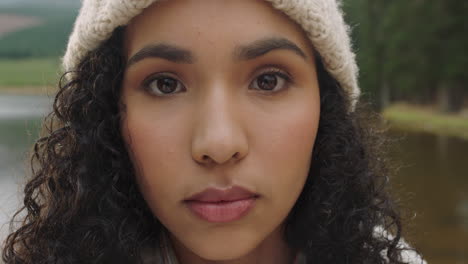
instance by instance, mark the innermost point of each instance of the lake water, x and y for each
(432, 183)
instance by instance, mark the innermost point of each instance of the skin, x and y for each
(220, 128)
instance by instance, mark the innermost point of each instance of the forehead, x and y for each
(202, 25)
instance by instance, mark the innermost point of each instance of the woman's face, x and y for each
(220, 96)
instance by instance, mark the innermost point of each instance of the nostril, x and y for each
(204, 160)
(207, 159)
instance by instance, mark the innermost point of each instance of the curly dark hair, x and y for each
(82, 204)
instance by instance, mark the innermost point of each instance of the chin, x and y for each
(222, 249)
(225, 252)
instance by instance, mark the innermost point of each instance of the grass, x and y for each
(37, 72)
(408, 117)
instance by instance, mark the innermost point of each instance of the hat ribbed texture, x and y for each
(322, 20)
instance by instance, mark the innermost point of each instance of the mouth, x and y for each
(222, 205)
(215, 195)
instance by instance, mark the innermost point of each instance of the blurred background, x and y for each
(413, 70)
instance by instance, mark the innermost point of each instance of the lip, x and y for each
(214, 195)
(222, 212)
(222, 205)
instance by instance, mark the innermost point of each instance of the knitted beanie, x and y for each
(322, 20)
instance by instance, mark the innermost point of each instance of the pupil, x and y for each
(267, 82)
(167, 85)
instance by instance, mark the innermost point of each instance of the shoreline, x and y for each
(416, 118)
(28, 90)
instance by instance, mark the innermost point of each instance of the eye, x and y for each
(271, 81)
(162, 84)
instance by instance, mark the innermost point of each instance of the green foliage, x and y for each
(414, 47)
(29, 72)
(46, 40)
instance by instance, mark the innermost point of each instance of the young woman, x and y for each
(214, 131)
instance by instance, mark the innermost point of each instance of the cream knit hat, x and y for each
(322, 20)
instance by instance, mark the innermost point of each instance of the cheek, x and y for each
(155, 150)
(286, 152)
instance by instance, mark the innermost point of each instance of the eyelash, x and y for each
(278, 73)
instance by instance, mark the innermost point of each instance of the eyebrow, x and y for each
(244, 52)
(164, 51)
(263, 46)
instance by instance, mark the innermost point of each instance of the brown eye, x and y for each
(271, 81)
(267, 82)
(162, 85)
(166, 85)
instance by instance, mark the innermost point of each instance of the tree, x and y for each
(411, 49)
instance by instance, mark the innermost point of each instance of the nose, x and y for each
(219, 136)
